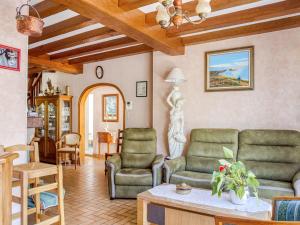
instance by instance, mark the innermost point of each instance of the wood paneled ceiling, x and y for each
(84, 31)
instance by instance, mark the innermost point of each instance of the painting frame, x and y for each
(104, 108)
(18, 61)
(144, 90)
(250, 86)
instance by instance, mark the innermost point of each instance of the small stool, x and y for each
(33, 171)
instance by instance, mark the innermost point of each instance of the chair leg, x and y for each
(60, 194)
(75, 159)
(37, 202)
(24, 198)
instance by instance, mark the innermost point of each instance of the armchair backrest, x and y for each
(72, 139)
(271, 154)
(138, 148)
(206, 148)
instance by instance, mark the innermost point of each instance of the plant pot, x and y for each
(236, 200)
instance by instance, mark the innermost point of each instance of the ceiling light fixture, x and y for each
(171, 12)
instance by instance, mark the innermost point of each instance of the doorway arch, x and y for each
(82, 108)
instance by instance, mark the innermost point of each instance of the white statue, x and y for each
(176, 136)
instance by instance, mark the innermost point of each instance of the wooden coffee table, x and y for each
(174, 212)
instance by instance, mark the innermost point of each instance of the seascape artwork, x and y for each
(229, 70)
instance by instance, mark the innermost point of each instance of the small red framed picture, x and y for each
(10, 58)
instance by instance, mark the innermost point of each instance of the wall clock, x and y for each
(99, 72)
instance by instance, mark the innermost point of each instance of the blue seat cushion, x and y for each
(48, 200)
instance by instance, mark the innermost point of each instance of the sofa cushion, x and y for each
(194, 179)
(271, 154)
(270, 188)
(133, 176)
(138, 148)
(206, 148)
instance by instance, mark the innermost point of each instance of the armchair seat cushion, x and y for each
(194, 179)
(270, 188)
(134, 177)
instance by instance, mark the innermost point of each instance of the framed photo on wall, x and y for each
(110, 108)
(10, 58)
(141, 88)
(231, 69)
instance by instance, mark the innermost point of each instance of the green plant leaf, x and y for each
(224, 162)
(228, 153)
(240, 192)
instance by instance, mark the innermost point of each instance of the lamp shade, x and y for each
(176, 76)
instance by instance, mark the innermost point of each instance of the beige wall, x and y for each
(99, 125)
(123, 72)
(274, 104)
(13, 85)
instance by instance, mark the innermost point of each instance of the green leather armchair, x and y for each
(137, 168)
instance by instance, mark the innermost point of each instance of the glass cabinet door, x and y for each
(66, 117)
(52, 125)
(41, 113)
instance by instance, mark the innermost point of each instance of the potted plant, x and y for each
(235, 178)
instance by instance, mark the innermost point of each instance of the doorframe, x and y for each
(82, 108)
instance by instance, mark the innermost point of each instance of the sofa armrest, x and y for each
(173, 166)
(296, 184)
(157, 167)
(113, 165)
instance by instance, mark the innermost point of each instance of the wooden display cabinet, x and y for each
(56, 112)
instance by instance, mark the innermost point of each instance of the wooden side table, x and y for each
(104, 137)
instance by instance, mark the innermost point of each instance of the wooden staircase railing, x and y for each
(34, 88)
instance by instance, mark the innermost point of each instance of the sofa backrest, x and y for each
(138, 148)
(206, 148)
(270, 154)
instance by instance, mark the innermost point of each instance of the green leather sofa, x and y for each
(137, 168)
(273, 155)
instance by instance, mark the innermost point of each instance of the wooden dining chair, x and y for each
(68, 145)
(6, 165)
(27, 176)
(238, 221)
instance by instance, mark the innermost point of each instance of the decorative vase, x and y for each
(236, 200)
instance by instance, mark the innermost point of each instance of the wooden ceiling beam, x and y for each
(47, 8)
(134, 50)
(78, 39)
(265, 27)
(134, 4)
(245, 16)
(58, 66)
(131, 23)
(191, 6)
(96, 48)
(63, 27)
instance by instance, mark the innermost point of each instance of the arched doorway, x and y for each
(82, 114)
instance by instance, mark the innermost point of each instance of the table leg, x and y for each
(99, 150)
(142, 212)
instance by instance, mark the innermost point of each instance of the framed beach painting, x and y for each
(9, 58)
(110, 108)
(231, 69)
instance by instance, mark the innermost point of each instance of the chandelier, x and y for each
(171, 12)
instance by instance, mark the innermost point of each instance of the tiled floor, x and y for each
(87, 201)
